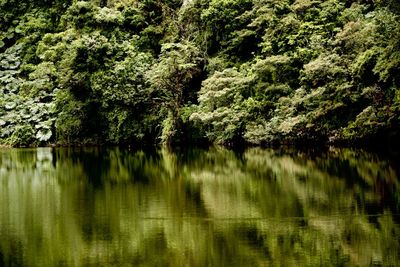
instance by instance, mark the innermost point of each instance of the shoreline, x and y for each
(370, 146)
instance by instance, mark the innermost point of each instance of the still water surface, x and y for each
(195, 207)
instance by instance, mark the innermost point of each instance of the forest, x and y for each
(229, 72)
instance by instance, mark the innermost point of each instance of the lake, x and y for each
(198, 207)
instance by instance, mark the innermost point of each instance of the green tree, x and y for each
(172, 77)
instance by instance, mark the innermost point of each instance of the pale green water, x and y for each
(114, 207)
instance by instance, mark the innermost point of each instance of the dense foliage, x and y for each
(222, 71)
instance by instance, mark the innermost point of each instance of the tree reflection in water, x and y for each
(195, 207)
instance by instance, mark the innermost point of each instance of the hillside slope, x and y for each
(221, 71)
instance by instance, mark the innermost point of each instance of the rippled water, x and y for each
(194, 207)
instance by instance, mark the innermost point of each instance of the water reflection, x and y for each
(91, 206)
